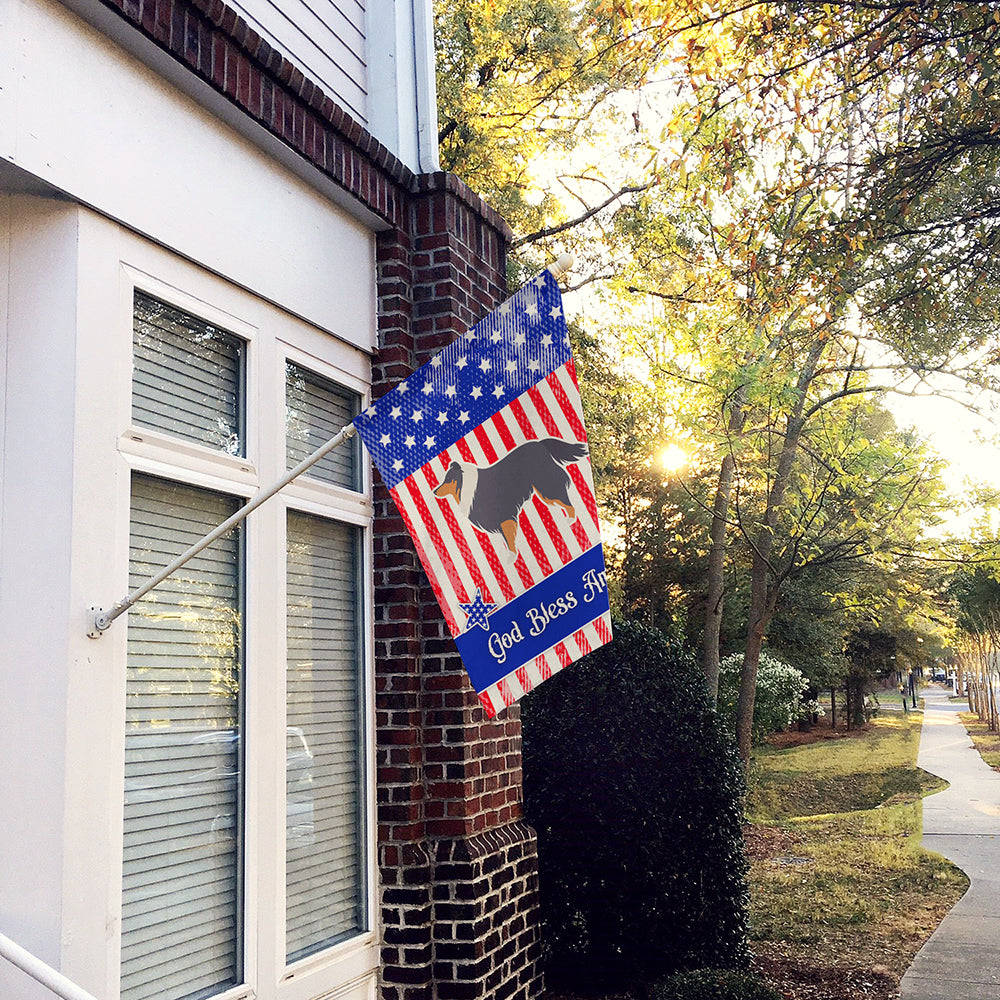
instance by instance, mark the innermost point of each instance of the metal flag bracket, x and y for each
(101, 618)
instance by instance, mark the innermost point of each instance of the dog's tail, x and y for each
(564, 452)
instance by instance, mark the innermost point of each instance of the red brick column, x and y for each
(459, 868)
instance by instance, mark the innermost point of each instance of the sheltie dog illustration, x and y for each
(492, 498)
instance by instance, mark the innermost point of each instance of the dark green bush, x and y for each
(634, 790)
(712, 984)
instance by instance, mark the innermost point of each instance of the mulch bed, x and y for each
(820, 730)
(800, 980)
(762, 842)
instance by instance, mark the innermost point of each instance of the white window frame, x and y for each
(272, 336)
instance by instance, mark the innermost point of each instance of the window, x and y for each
(187, 376)
(315, 410)
(324, 859)
(207, 833)
(182, 873)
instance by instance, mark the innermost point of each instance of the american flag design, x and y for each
(524, 602)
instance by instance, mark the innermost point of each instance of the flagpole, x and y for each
(563, 263)
(102, 619)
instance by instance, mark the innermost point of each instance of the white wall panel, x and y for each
(38, 293)
(112, 134)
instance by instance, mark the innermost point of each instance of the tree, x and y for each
(801, 215)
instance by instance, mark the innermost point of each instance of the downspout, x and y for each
(425, 86)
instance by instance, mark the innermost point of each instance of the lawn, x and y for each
(842, 895)
(987, 743)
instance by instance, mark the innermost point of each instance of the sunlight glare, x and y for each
(672, 457)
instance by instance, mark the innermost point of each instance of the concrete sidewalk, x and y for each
(961, 960)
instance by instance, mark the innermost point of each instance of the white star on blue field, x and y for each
(514, 348)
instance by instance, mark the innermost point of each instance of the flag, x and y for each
(485, 454)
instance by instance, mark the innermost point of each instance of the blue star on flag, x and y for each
(478, 611)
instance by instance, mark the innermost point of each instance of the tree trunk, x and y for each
(833, 708)
(717, 555)
(762, 604)
(762, 597)
(716, 581)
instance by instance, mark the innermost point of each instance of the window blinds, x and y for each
(325, 897)
(187, 376)
(315, 410)
(181, 905)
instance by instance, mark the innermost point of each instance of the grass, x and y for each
(838, 877)
(987, 743)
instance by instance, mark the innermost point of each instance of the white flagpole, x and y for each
(101, 619)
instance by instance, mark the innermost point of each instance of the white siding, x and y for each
(325, 39)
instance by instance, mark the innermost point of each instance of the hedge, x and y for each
(634, 791)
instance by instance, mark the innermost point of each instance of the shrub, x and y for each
(634, 790)
(711, 984)
(779, 692)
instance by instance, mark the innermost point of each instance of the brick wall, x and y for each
(458, 867)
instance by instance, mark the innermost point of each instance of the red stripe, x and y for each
(524, 574)
(580, 534)
(602, 629)
(446, 508)
(438, 543)
(567, 407)
(487, 703)
(500, 426)
(485, 444)
(582, 641)
(543, 411)
(522, 420)
(536, 546)
(571, 368)
(503, 688)
(425, 562)
(584, 490)
(486, 544)
(465, 451)
(542, 664)
(552, 529)
(523, 678)
(563, 653)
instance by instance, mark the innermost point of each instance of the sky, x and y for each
(960, 438)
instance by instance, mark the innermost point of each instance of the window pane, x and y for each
(315, 410)
(325, 888)
(181, 928)
(187, 376)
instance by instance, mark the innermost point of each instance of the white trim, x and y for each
(139, 444)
